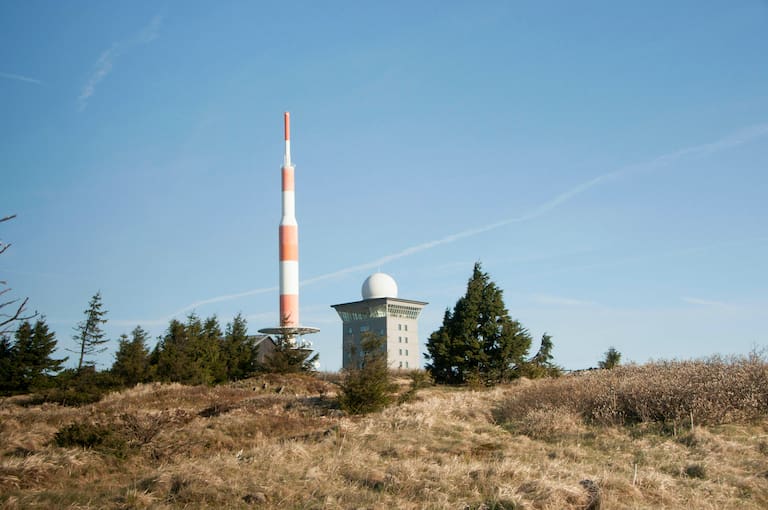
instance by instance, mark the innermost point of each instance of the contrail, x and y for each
(19, 77)
(217, 299)
(107, 58)
(736, 139)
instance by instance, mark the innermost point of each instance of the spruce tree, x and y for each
(89, 336)
(541, 365)
(8, 378)
(132, 358)
(190, 353)
(611, 359)
(208, 350)
(26, 364)
(40, 364)
(170, 359)
(368, 388)
(238, 350)
(289, 358)
(478, 339)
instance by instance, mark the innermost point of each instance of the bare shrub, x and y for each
(684, 393)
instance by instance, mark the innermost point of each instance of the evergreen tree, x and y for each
(26, 364)
(209, 356)
(170, 359)
(89, 336)
(611, 359)
(190, 353)
(239, 350)
(478, 339)
(541, 365)
(289, 358)
(8, 370)
(34, 354)
(369, 388)
(131, 364)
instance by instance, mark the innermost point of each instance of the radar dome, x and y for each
(379, 285)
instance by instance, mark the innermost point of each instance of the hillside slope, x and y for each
(281, 443)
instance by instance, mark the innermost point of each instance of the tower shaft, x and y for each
(289, 240)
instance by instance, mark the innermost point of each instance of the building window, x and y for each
(406, 352)
(406, 339)
(401, 364)
(364, 328)
(401, 352)
(400, 339)
(349, 330)
(406, 364)
(405, 327)
(399, 327)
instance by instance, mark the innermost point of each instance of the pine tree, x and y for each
(239, 350)
(89, 336)
(541, 365)
(8, 369)
(132, 358)
(190, 353)
(288, 358)
(170, 359)
(611, 359)
(478, 339)
(26, 364)
(369, 388)
(208, 352)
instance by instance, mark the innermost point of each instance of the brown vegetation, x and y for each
(706, 392)
(282, 442)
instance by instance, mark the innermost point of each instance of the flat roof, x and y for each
(365, 303)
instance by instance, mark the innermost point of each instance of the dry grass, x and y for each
(283, 444)
(707, 392)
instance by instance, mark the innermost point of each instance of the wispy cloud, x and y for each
(19, 77)
(218, 299)
(106, 60)
(150, 32)
(102, 69)
(733, 140)
(706, 302)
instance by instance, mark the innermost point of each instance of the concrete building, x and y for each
(382, 313)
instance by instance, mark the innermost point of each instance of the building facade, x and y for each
(382, 313)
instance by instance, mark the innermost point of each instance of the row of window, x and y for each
(406, 312)
(400, 339)
(401, 364)
(402, 327)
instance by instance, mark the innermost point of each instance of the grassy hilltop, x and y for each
(668, 435)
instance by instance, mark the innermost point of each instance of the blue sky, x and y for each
(605, 161)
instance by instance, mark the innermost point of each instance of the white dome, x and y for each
(379, 285)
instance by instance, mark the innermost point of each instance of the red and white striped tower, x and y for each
(290, 327)
(289, 240)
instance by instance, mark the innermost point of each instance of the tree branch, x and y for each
(17, 315)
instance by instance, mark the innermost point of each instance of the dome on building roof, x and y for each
(379, 285)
